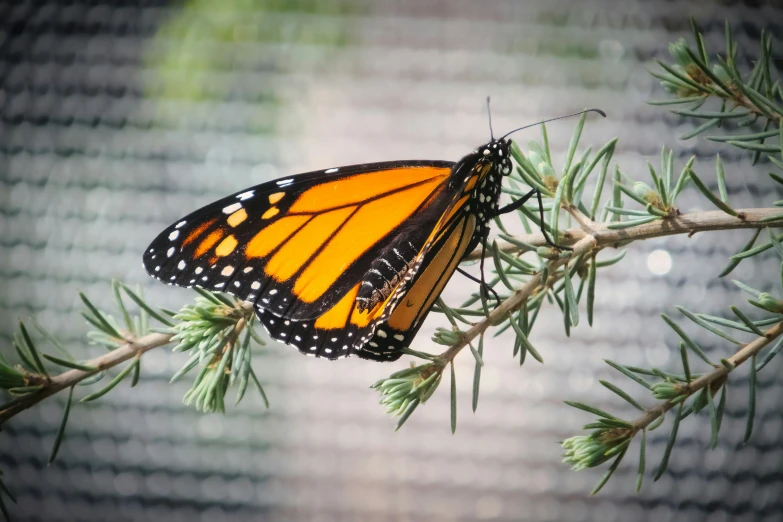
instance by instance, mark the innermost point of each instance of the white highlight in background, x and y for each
(659, 262)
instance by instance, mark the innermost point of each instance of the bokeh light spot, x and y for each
(659, 262)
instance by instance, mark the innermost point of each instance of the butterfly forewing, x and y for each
(297, 246)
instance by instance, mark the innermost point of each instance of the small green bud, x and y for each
(721, 73)
(534, 158)
(588, 451)
(666, 390)
(679, 52)
(410, 386)
(642, 190)
(769, 302)
(675, 86)
(546, 170)
(446, 336)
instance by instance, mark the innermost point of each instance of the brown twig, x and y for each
(596, 236)
(682, 224)
(583, 241)
(125, 352)
(73, 377)
(517, 299)
(716, 375)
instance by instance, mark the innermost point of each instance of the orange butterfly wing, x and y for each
(381, 333)
(299, 246)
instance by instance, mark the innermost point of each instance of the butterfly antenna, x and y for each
(599, 111)
(489, 113)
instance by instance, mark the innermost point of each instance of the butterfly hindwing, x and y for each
(338, 331)
(397, 327)
(331, 336)
(346, 328)
(297, 246)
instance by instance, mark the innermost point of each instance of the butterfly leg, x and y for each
(484, 286)
(479, 281)
(521, 201)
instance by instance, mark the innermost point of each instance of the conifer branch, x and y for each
(65, 380)
(692, 223)
(716, 376)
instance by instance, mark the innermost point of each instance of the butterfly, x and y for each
(346, 260)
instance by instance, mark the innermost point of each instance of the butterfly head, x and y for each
(497, 152)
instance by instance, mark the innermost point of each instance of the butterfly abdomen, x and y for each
(385, 274)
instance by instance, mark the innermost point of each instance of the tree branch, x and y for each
(125, 352)
(719, 373)
(599, 236)
(73, 377)
(517, 299)
(682, 224)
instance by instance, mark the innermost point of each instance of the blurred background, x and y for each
(118, 117)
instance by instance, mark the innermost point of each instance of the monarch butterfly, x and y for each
(347, 260)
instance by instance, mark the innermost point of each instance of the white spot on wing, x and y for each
(199, 270)
(256, 285)
(227, 271)
(232, 208)
(180, 224)
(181, 265)
(245, 195)
(330, 171)
(248, 270)
(174, 235)
(171, 251)
(284, 182)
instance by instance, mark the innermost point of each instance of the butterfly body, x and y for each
(342, 261)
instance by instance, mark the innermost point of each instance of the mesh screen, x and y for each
(116, 118)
